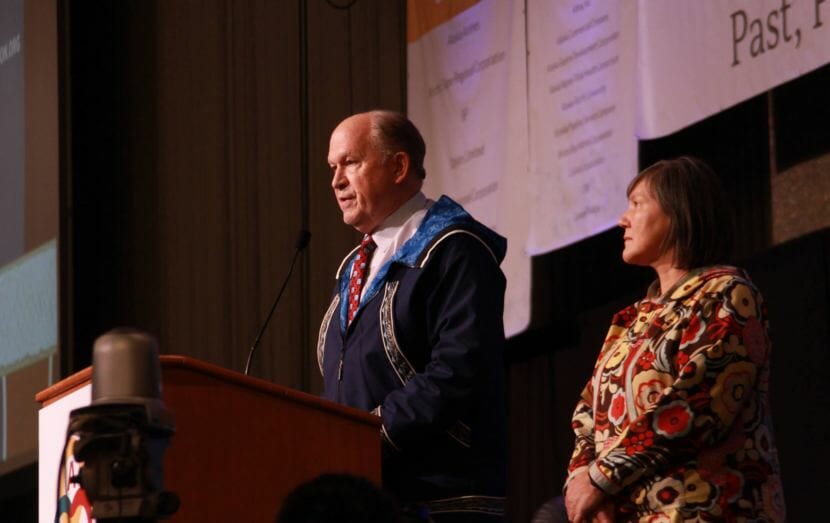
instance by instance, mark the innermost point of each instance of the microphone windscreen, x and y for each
(302, 240)
(125, 367)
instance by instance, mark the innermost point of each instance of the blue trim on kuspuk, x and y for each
(444, 214)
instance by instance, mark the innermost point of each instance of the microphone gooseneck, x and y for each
(303, 238)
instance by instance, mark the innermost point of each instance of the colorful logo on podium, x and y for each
(73, 505)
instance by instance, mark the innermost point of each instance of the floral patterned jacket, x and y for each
(675, 422)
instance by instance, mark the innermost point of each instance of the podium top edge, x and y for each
(172, 362)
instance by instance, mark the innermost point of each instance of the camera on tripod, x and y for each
(122, 435)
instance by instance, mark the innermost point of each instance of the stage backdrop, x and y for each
(531, 109)
(467, 93)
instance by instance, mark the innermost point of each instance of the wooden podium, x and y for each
(241, 444)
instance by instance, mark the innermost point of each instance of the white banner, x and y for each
(598, 75)
(583, 149)
(699, 58)
(466, 91)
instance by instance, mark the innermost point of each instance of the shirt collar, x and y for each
(388, 230)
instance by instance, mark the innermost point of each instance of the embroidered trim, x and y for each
(383, 434)
(387, 439)
(432, 247)
(324, 328)
(397, 360)
(402, 367)
(460, 433)
(491, 505)
(345, 260)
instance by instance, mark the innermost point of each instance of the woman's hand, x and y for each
(605, 514)
(586, 503)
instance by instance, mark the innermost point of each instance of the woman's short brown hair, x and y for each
(691, 195)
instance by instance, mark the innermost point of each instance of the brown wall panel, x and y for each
(230, 181)
(21, 387)
(391, 48)
(193, 179)
(41, 117)
(530, 433)
(142, 253)
(273, 141)
(377, 53)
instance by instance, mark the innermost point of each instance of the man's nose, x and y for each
(337, 179)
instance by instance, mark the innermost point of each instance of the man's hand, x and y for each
(584, 501)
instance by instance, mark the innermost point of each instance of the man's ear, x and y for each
(400, 162)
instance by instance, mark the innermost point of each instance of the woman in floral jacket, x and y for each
(674, 424)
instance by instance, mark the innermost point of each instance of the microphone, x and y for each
(302, 242)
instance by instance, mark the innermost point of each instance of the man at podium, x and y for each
(414, 331)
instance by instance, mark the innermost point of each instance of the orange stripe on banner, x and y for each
(422, 16)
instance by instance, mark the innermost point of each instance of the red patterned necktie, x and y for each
(360, 269)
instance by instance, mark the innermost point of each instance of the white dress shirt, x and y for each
(394, 231)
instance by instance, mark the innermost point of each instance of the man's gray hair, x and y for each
(392, 132)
